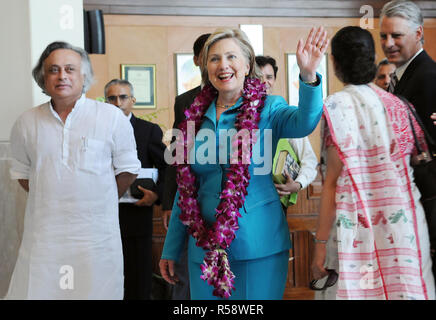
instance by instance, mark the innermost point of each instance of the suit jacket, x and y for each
(150, 149)
(418, 85)
(263, 229)
(182, 103)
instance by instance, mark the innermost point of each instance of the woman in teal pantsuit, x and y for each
(258, 255)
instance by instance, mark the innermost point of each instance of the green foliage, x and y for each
(151, 117)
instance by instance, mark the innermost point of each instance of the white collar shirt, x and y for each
(308, 161)
(71, 215)
(400, 70)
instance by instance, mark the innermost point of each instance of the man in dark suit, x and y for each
(402, 37)
(183, 101)
(136, 215)
(383, 76)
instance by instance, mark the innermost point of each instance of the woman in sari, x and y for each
(379, 244)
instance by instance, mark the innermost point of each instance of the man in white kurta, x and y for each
(75, 165)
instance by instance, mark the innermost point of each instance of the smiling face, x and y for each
(399, 41)
(63, 78)
(268, 77)
(227, 67)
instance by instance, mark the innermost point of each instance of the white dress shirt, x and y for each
(308, 160)
(71, 247)
(401, 69)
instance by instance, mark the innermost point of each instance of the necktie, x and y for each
(393, 83)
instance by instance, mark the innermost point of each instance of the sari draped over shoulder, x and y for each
(381, 233)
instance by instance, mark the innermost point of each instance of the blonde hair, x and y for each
(240, 37)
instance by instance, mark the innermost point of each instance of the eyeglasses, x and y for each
(332, 278)
(123, 97)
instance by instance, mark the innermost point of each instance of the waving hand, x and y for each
(309, 55)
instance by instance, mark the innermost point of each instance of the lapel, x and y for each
(402, 84)
(133, 121)
(189, 98)
(136, 130)
(196, 91)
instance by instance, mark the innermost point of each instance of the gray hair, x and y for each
(384, 62)
(406, 10)
(121, 82)
(241, 38)
(86, 67)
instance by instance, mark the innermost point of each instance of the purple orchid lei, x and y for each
(215, 268)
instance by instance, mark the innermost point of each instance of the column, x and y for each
(26, 28)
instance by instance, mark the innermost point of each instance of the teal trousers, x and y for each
(258, 279)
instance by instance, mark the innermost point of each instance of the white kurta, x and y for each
(308, 160)
(71, 247)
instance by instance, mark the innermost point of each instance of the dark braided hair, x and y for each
(354, 54)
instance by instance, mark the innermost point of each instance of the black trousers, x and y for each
(430, 214)
(136, 224)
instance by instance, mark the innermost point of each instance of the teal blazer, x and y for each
(263, 228)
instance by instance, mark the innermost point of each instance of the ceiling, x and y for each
(249, 8)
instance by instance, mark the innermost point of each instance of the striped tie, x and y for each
(393, 83)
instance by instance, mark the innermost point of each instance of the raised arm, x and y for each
(310, 53)
(293, 122)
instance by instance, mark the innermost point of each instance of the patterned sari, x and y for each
(381, 235)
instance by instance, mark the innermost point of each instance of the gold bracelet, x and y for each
(312, 82)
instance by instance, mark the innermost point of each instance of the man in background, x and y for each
(136, 215)
(383, 76)
(402, 37)
(301, 147)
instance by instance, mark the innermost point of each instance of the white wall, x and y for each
(15, 82)
(26, 28)
(63, 22)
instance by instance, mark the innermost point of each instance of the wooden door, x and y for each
(302, 219)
